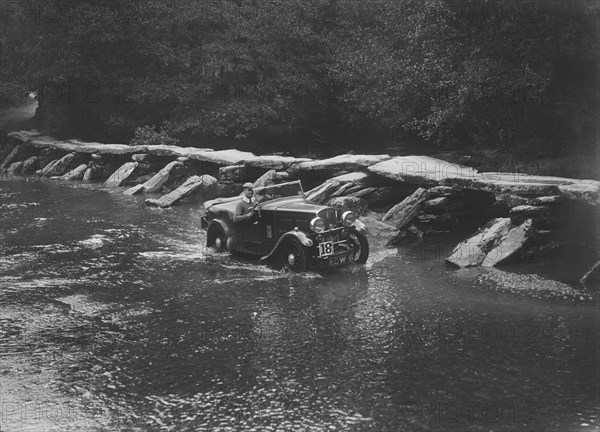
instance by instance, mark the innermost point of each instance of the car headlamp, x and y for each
(348, 218)
(317, 225)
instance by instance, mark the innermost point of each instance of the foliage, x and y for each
(506, 74)
(147, 135)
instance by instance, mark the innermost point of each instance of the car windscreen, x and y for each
(269, 193)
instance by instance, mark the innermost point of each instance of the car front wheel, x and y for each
(216, 238)
(361, 244)
(293, 256)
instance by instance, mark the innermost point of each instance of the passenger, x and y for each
(244, 210)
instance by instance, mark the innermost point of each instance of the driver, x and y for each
(244, 210)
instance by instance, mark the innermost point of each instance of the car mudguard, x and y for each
(295, 233)
(360, 227)
(223, 225)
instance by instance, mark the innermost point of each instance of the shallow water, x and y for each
(114, 316)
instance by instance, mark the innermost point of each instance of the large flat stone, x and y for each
(345, 162)
(511, 243)
(421, 170)
(274, 162)
(221, 157)
(205, 183)
(76, 174)
(473, 251)
(161, 177)
(122, 174)
(58, 167)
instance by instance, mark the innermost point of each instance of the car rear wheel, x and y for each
(216, 237)
(361, 253)
(293, 256)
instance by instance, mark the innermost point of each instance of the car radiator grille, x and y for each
(329, 216)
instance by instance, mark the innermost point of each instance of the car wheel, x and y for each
(361, 244)
(293, 256)
(216, 238)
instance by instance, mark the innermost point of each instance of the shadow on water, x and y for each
(119, 313)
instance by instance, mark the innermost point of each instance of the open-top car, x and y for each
(288, 229)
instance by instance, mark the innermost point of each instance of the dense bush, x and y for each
(506, 75)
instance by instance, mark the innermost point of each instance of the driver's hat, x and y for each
(248, 186)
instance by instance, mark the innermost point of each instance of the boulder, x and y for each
(31, 164)
(15, 168)
(512, 200)
(592, 277)
(267, 179)
(404, 212)
(58, 167)
(121, 174)
(142, 157)
(444, 204)
(282, 177)
(511, 243)
(12, 156)
(134, 190)
(229, 189)
(547, 200)
(206, 184)
(441, 191)
(233, 174)
(421, 170)
(76, 174)
(161, 177)
(356, 205)
(473, 251)
(379, 229)
(521, 213)
(88, 176)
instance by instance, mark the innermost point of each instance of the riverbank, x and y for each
(400, 198)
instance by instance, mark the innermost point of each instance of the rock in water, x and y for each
(76, 174)
(592, 277)
(473, 251)
(30, 165)
(12, 156)
(161, 177)
(379, 229)
(404, 212)
(357, 205)
(120, 175)
(513, 241)
(58, 167)
(205, 183)
(87, 176)
(134, 190)
(15, 168)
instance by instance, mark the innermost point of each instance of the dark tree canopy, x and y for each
(503, 75)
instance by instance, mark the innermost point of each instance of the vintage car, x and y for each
(288, 230)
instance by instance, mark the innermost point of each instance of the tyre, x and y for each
(361, 255)
(216, 237)
(293, 256)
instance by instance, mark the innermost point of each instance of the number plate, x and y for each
(325, 249)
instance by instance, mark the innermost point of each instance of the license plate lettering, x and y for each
(337, 261)
(325, 249)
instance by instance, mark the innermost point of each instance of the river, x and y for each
(114, 316)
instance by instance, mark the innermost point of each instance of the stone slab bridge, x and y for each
(398, 197)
